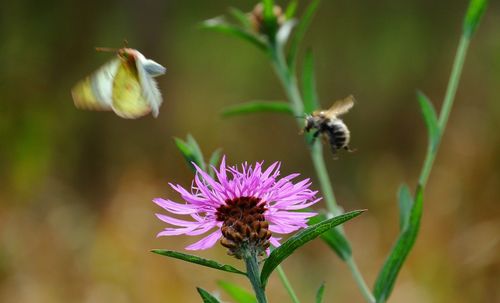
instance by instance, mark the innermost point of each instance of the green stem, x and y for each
(253, 275)
(447, 105)
(289, 82)
(323, 177)
(365, 291)
(287, 285)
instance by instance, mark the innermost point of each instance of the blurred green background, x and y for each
(76, 217)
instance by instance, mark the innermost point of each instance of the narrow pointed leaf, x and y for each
(334, 238)
(214, 161)
(242, 17)
(268, 8)
(304, 23)
(270, 21)
(299, 239)
(257, 107)
(430, 118)
(198, 155)
(219, 25)
(291, 9)
(215, 157)
(311, 102)
(197, 260)
(206, 296)
(186, 152)
(284, 32)
(239, 294)
(405, 200)
(320, 292)
(389, 272)
(473, 16)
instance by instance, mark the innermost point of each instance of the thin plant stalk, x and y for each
(447, 105)
(433, 148)
(289, 82)
(365, 291)
(253, 275)
(287, 285)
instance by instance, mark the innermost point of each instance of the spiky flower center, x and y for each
(244, 225)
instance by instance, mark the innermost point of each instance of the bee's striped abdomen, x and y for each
(338, 135)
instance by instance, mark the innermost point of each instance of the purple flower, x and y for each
(247, 206)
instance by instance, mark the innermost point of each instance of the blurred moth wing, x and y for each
(95, 91)
(340, 107)
(124, 85)
(128, 100)
(147, 69)
(153, 69)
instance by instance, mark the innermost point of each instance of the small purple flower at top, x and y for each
(246, 205)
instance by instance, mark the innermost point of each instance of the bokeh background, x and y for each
(76, 217)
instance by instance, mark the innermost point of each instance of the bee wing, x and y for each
(128, 98)
(341, 107)
(95, 91)
(147, 69)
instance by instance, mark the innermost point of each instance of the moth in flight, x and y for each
(125, 85)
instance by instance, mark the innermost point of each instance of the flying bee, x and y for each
(329, 126)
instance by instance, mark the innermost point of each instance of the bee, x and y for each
(329, 126)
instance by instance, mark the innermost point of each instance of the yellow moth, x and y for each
(124, 85)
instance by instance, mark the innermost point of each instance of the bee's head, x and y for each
(309, 123)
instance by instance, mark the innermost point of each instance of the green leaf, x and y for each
(334, 238)
(219, 25)
(291, 9)
(215, 157)
(257, 107)
(214, 161)
(206, 296)
(320, 292)
(299, 239)
(197, 260)
(239, 294)
(430, 119)
(195, 148)
(191, 152)
(268, 9)
(387, 276)
(270, 21)
(242, 18)
(311, 102)
(405, 200)
(304, 23)
(284, 32)
(473, 16)
(186, 151)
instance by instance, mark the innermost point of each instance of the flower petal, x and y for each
(175, 208)
(206, 242)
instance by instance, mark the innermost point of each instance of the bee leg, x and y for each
(334, 150)
(306, 129)
(349, 149)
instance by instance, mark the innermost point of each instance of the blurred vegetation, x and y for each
(76, 218)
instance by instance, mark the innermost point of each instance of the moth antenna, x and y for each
(106, 49)
(300, 117)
